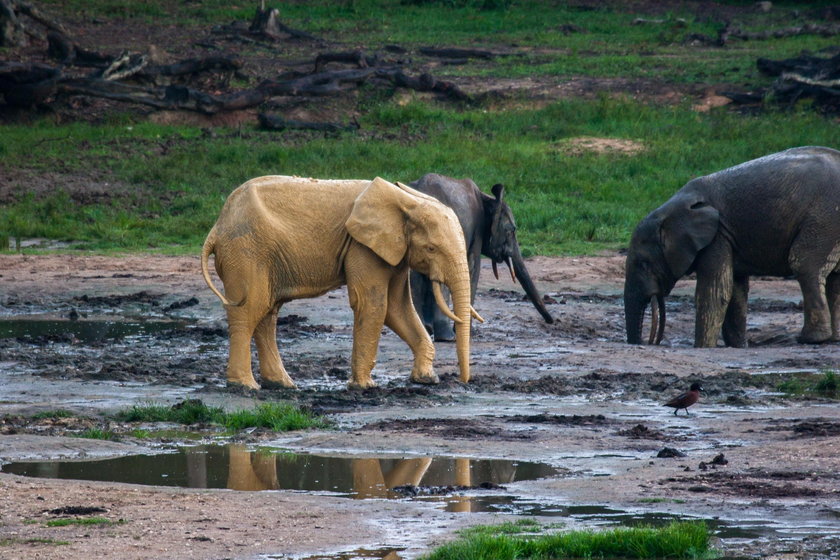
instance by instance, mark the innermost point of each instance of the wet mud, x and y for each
(571, 395)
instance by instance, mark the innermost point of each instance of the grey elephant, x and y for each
(489, 229)
(778, 215)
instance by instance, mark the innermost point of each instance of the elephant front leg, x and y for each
(271, 365)
(714, 291)
(735, 322)
(402, 319)
(369, 309)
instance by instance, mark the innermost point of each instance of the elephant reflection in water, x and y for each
(250, 471)
(371, 478)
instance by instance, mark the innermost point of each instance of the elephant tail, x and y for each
(209, 249)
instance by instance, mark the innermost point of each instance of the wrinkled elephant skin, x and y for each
(778, 215)
(489, 229)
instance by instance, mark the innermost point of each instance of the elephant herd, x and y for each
(402, 250)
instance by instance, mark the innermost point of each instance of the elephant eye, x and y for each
(431, 248)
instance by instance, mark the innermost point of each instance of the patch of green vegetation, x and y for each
(97, 433)
(661, 501)
(825, 384)
(566, 202)
(677, 540)
(81, 521)
(54, 414)
(14, 541)
(280, 417)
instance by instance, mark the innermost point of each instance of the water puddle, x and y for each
(85, 330)
(238, 468)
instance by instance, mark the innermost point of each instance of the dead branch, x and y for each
(13, 27)
(266, 23)
(273, 122)
(322, 83)
(807, 29)
(357, 58)
(805, 76)
(455, 52)
(424, 82)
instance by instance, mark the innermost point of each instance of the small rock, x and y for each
(669, 453)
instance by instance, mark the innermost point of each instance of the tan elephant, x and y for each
(283, 238)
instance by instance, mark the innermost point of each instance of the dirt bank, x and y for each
(572, 395)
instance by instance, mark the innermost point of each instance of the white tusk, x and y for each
(442, 303)
(475, 314)
(512, 273)
(495, 270)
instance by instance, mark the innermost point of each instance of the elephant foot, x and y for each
(429, 378)
(271, 384)
(814, 337)
(354, 385)
(244, 387)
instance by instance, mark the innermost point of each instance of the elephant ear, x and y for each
(378, 221)
(686, 232)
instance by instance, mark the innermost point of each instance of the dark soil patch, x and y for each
(561, 420)
(457, 428)
(411, 491)
(640, 431)
(807, 428)
(758, 483)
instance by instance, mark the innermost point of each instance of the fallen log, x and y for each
(273, 122)
(454, 52)
(807, 29)
(805, 76)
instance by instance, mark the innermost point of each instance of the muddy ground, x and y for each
(571, 395)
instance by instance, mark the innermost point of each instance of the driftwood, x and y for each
(455, 52)
(807, 29)
(26, 85)
(805, 77)
(273, 122)
(15, 30)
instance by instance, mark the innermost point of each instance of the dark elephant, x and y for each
(489, 229)
(778, 215)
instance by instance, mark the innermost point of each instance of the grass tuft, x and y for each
(679, 540)
(280, 417)
(81, 521)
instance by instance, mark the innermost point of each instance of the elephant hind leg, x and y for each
(812, 263)
(241, 326)
(832, 292)
(271, 365)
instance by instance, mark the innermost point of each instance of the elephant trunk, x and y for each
(634, 314)
(460, 290)
(528, 285)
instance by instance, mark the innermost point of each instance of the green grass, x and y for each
(825, 384)
(280, 417)
(97, 433)
(54, 414)
(33, 541)
(564, 203)
(166, 184)
(84, 521)
(677, 540)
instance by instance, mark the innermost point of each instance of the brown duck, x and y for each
(686, 399)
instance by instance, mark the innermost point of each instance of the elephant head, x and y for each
(501, 246)
(663, 249)
(397, 222)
